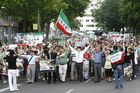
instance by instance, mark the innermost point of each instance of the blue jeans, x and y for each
(97, 71)
(138, 70)
(127, 64)
(118, 73)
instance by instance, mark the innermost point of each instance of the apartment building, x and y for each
(87, 21)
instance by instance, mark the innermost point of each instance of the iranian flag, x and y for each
(117, 57)
(63, 24)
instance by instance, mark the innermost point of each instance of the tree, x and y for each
(72, 9)
(76, 8)
(49, 10)
(130, 14)
(27, 12)
(108, 16)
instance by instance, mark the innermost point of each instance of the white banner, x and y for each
(44, 65)
(12, 46)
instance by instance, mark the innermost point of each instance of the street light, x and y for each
(1, 30)
(1, 8)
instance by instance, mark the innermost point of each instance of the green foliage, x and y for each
(50, 8)
(130, 13)
(117, 14)
(26, 11)
(108, 15)
(75, 8)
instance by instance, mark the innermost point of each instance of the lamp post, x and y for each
(38, 21)
(1, 30)
(9, 29)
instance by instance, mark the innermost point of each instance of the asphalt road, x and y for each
(74, 87)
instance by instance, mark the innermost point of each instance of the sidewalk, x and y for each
(3, 85)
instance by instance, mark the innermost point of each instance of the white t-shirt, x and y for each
(79, 56)
(33, 60)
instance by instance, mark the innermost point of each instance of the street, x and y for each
(74, 87)
(93, 42)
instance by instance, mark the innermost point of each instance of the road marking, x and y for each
(4, 89)
(88, 80)
(70, 90)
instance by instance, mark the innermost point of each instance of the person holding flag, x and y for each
(117, 60)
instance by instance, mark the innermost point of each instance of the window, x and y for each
(81, 25)
(96, 4)
(89, 25)
(92, 20)
(92, 4)
(87, 20)
(88, 15)
(80, 20)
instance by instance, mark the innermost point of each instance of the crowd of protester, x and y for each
(72, 63)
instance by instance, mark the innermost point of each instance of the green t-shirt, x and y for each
(63, 60)
(113, 52)
(138, 51)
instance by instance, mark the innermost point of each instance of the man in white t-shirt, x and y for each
(31, 66)
(79, 57)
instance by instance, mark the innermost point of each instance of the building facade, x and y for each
(87, 21)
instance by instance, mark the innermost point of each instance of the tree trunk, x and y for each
(38, 21)
(47, 28)
(24, 26)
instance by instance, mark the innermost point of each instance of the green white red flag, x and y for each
(117, 57)
(63, 24)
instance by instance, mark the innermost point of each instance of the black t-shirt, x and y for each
(52, 56)
(11, 61)
(128, 56)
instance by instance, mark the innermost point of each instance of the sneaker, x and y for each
(95, 81)
(135, 76)
(4, 82)
(29, 83)
(16, 89)
(116, 87)
(44, 79)
(12, 90)
(121, 86)
(113, 79)
(39, 77)
(63, 81)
